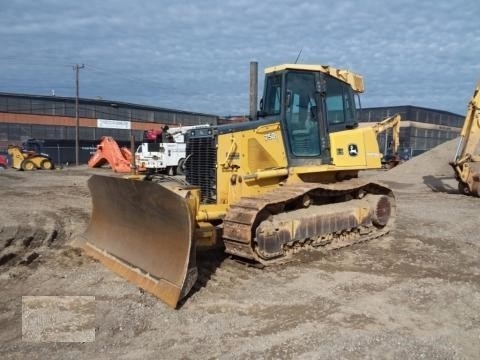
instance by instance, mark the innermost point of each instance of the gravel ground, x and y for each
(412, 294)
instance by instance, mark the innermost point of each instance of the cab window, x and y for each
(339, 104)
(273, 95)
(302, 127)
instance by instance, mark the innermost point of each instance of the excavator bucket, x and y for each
(143, 231)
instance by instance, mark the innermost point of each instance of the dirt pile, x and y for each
(434, 161)
(430, 169)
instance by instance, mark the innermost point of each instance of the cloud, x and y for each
(194, 55)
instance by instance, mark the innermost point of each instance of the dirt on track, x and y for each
(412, 294)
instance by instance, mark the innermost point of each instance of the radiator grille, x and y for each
(201, 168)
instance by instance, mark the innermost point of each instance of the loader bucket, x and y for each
(143, 231)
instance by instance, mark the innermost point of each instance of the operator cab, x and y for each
(311, 103)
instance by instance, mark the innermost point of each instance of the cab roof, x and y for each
(349, 77)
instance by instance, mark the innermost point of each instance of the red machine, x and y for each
(108, 151)
(3, 162)
(158, 136)
(152, 135)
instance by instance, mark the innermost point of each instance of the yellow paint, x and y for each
(355, 149)
(254, 162)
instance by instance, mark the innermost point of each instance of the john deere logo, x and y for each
(352, 150)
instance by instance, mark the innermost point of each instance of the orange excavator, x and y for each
(108, 151)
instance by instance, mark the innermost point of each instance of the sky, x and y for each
(194, 55)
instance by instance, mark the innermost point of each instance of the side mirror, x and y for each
(261, 112)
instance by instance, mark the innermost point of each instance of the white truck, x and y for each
(164, 157)
(160, 157)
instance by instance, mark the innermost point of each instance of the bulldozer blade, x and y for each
(143, 231)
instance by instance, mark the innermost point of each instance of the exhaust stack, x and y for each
(253, 89)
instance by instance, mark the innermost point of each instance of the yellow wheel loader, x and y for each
(29, 160)
(262, 189)
(466, 162)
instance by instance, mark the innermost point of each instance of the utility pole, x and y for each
(77, 132)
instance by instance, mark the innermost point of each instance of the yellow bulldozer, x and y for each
(263, 189)
(466, 162)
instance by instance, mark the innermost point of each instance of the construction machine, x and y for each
(29, 160)
(3, 162)
(160, 156)
(466, 162)
(108, 151)
(390, 124)
(263, 190)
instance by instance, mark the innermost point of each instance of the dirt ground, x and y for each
(413, 294)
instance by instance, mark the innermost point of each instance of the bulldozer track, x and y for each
(244, 217)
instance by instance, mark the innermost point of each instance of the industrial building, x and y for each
(421, 128)
(53, 121)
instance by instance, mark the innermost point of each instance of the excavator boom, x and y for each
(393, 123)
(108, 151)
(466, 162)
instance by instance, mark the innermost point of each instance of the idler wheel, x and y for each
(381, 206)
